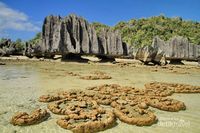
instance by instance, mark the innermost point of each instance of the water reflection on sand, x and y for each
(22, 83)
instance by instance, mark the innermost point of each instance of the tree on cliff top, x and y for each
(98, 26)
(142, 31)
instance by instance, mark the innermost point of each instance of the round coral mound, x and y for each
(72, 106)
(96, 121)
(132, 113)
(166, 104)
(49, 98)
(23, 118)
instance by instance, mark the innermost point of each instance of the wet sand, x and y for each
(22, 82)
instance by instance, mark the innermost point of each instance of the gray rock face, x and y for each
(28, 50)
(7, 48)
(31, 51)
(175, 50)
(178, 48)
(152, 54)
(111, 44)
(4, 46)
(75, 35)
(2, 52)
(145, 54)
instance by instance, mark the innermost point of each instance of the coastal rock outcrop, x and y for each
(178, 48)
(152, 54)
(6, 48)
(31, 51)
(74, 34)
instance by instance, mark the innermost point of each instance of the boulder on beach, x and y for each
(152, 54)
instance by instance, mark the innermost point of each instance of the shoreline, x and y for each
(95, 60)
(189, 68)
(34, 78)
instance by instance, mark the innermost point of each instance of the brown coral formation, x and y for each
(106, 94)
(116, 90)
(72, 106)
(157, 89)
(167, 89)
(60, 96)
(98, 120)
(23, 118)
(97, 75)
(49, 98)
(72, 74)
(132, 113)
(166, 104)
(84, 113)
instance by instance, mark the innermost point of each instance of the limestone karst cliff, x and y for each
(178, 48)
(73, 34)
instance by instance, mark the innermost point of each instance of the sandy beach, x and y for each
(22, 81)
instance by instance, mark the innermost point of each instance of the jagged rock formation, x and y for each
(75, 35)
(28, 49)
(175, 50)
(145, 54)
(31, 51)
(178, 48)
(7, 48)
(152, 54)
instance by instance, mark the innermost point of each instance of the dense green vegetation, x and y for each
(19, 44)
(2, 40)
(99, 26)
(142, 31)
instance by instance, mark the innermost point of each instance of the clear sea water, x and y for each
(21, 83)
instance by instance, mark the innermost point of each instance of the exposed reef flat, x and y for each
(52, 77)
(84, 113)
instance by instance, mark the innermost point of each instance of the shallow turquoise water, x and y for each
(22, 83)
